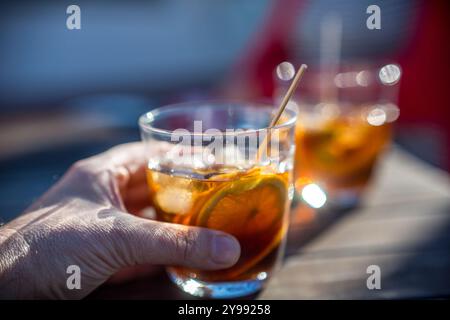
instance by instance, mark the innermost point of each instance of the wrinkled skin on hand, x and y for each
(85, 220)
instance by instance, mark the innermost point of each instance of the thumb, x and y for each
(141, 241)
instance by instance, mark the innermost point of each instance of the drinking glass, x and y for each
(344, 123)
(216, 165)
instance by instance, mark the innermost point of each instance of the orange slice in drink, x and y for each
(252, 209)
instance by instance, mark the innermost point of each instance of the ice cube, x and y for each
(175, 199)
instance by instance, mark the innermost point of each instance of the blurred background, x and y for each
(67, 94)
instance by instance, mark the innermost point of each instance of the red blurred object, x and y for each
(269, 48)
(425, 62)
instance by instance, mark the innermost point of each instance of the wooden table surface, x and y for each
(402, 226)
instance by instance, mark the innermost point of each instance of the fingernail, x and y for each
(225, 250)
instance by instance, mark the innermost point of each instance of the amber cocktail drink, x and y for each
(345, 119)
(228, 187)
(338, 151)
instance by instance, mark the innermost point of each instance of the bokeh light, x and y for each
(313, 195)
(390, 74)
(285, 71)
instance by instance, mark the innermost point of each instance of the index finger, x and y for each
(126, 163)
(129, 161)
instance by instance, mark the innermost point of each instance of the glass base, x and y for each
(217, 290)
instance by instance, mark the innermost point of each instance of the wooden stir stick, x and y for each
(262, 148)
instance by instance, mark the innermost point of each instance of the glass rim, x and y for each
(147, 118)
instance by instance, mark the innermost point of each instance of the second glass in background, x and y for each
(344, 124)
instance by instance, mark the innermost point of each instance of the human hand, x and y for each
(85, 220)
